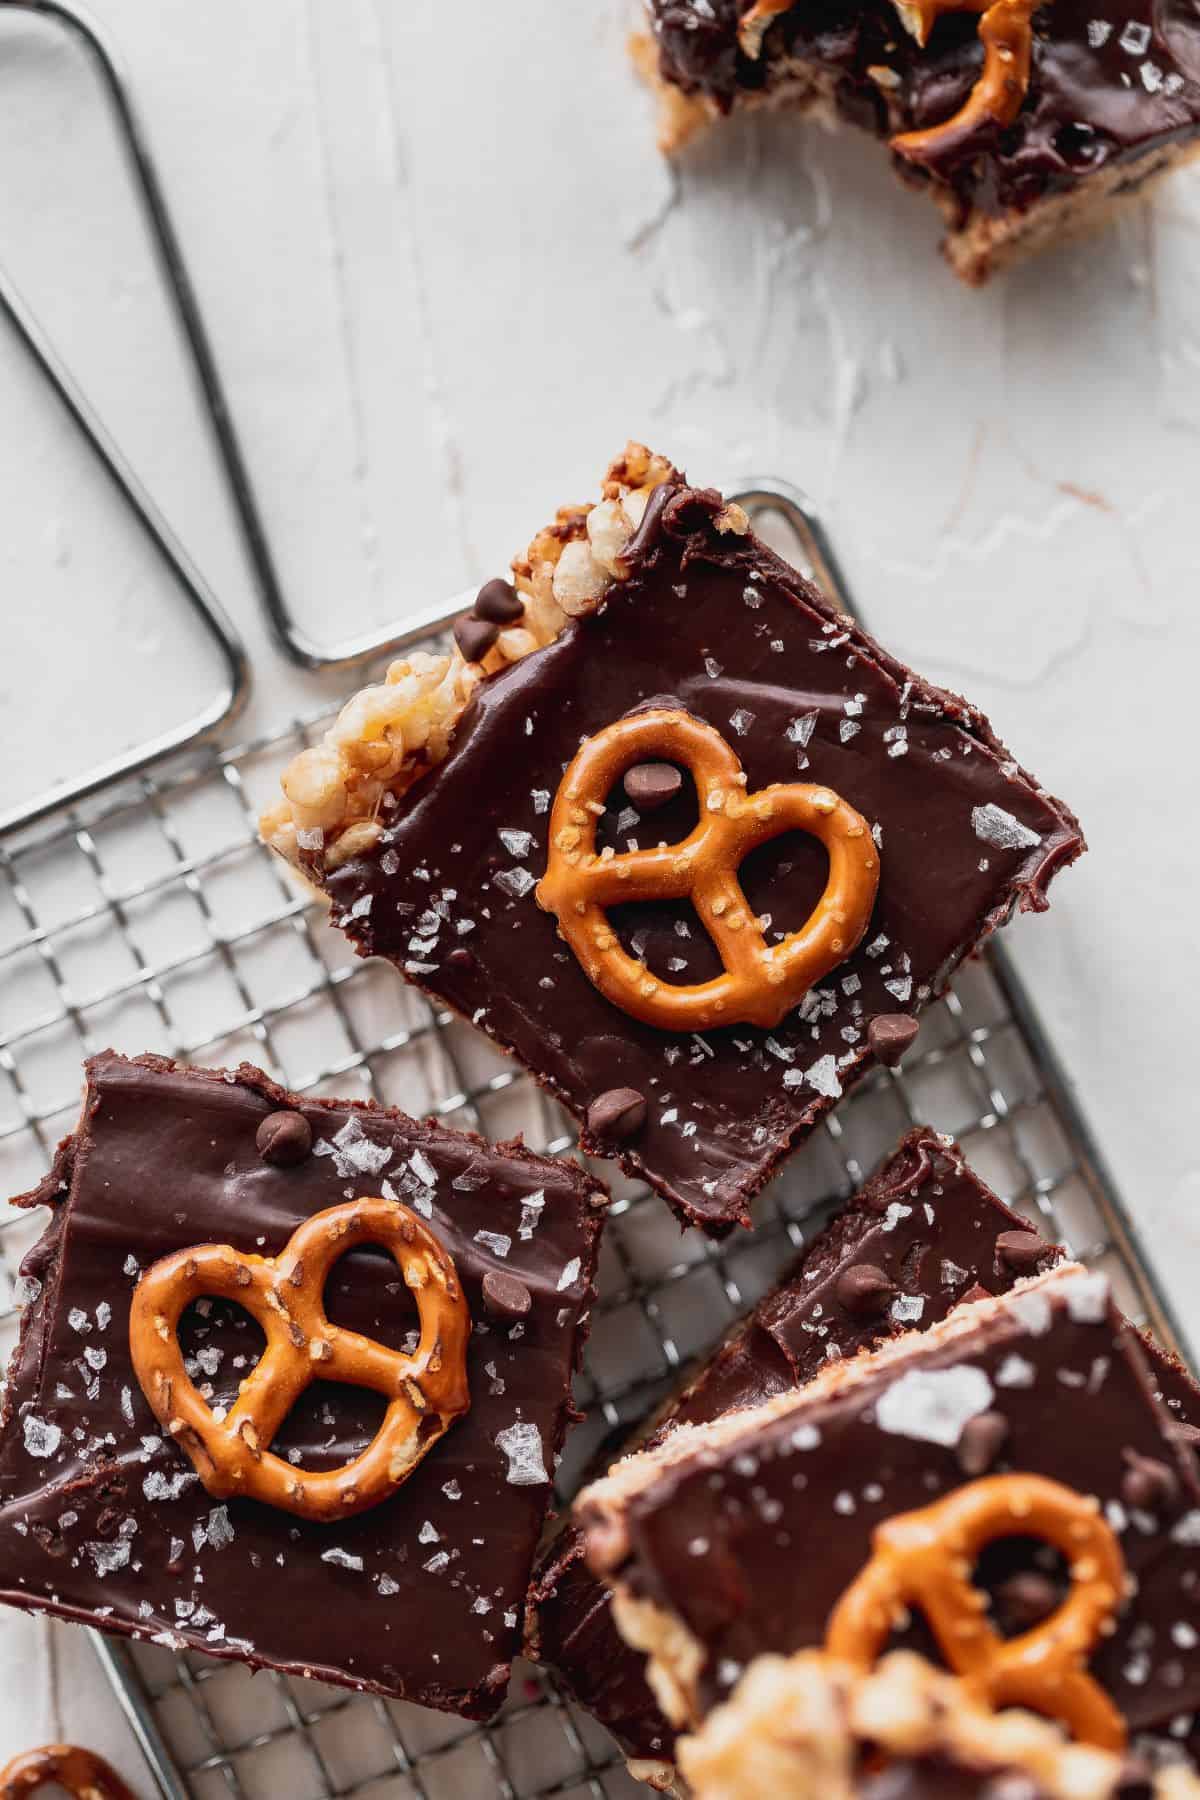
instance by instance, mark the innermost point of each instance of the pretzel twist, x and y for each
(925, 1559)
(1006, 33)
(761, 982)
(78, 1772)
(426, 1391)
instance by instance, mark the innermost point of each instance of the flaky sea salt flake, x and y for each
(521, 1443)
(496, 1241)
(1135, 38)
(42, 1438)
(994, 826)
(422, 1168)
(220, 1531)
(353, 1152)
(933, 1405)
(516, 882)
(823, 1076)
(341, 1559)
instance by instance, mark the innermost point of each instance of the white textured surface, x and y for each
(442, 296)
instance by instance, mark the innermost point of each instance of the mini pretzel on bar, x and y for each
(925, 1559)
(761, 982)
(426, 1391)
(1006, 33)
(65, 1766)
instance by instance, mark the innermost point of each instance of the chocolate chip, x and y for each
(651, 785)
(475, 637)
(890, 1035)
(864, 1290)
(460, 957)
(498, 602)
(982, 1440)
(1021, 1252)
(1148, 1485)
(1026, 1599)
(284, 1138)
(975, 1292)
(617, 1114)
(505, 1296)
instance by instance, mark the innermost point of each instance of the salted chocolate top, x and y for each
(743, 642)
(928, 1226)
(105, 1522)
(1110, 81)
(716, 1532)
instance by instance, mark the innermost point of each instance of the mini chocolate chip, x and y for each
(498, 602)
(1020, 1251)
(651, 785)
(976, 1292)
(617, 1114)
(1148, 1485)
(890, 1035)
(505, 1296)
(284, 1138)
(864, 1290)
(1026, 1599)
(475, 637)
(460, 957)
(982, 1440)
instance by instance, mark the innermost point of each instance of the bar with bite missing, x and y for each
(291, 1382)
(1024, 122)
(674, 832)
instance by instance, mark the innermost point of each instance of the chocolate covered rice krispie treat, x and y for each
(673, 831)
(1004, 1492)
(292, 1379)
(1024, 122)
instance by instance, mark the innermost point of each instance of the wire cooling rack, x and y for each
(152, 918)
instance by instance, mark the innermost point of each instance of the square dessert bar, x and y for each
(103, 1515)
(682, 838)
(922, 1235)
(1024, 122)
(1022, 1429)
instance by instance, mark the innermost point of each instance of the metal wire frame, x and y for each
(646, 1290)
(245, 509)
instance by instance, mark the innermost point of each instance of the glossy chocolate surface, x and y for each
(748, 645)
(751, 1544)
(930, 1225)
(103, 1521)
(1111, 80)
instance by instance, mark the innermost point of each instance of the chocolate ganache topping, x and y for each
(1110, 80)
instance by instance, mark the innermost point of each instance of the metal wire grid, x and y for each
(153, 918)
